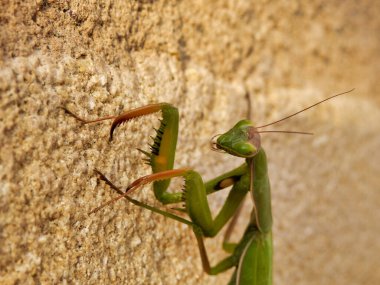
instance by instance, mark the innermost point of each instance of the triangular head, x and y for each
(243, 140)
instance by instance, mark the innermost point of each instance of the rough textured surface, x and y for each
(104, 57)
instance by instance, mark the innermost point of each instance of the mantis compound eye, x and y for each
(245, 149)
(254, 137)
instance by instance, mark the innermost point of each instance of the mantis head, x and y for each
(242, 140)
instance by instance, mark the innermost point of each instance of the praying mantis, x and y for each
(252, 255)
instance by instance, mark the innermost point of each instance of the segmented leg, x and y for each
(227, 245)
(194, 196)
(225, 264)
(138, 203)
(162, 151)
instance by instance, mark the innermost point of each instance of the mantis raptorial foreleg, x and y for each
(223, 265)
(162, 152)
(194, 196)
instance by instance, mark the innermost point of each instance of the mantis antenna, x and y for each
(296, 113)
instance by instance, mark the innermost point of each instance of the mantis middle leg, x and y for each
(194, 196)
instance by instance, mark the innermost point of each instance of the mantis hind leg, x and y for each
(227, 245)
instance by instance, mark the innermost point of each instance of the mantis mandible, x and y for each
(252, 255)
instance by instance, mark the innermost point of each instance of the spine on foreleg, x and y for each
(163, 150)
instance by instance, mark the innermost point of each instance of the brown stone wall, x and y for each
(103, 57)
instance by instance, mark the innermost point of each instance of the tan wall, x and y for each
(104, 57)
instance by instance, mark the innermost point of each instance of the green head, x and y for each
(242, 140)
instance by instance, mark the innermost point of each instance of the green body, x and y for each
(254, 258)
